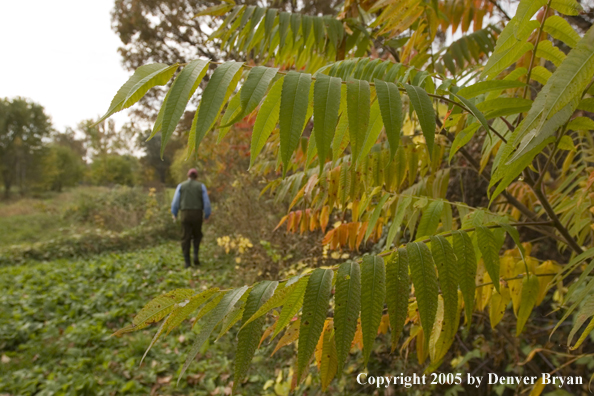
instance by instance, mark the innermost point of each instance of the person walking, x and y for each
(191, 198)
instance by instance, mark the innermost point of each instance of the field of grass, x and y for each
(40, 219)
(56, 319)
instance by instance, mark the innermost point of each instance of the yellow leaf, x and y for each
(515, 286)
(548, 267)
(291, 334)
(530, 287)
(422, 352)
(437, 327)
(384, 325)
(329, 358)
(538, 388)
(498, 305)
(358, 339)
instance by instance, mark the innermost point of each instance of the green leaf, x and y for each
(291, 306)
(358, 108)
(487, 244)
(249, 336)
(184, 86)
(561, 30)
(530, 287)
(482, 87)
(315, 307)
(424, 109)
(278, 298)
(581, 124)
(445, 261)
(507, 39)
(186, 307)
(475, 111)
(430, 219)
(375, 215)
(269, 22)
(567, 7)
(233, 110)
(548, 51)
(540, 74)
(463, 137)
(143, 79)
(390, 105)
(215, 95)
(157, 309)
(586, 104)
(585, 312)
(504, 106)
(347, 307)
(466, 264)
(373, 295)
(499, 61)
(233, 316)
(374, 129)
(530, 146)
(266, 120)
(253, 90)
(293, 109)
(403, 204)
(284, 19)
(397, 292)
(525, 12)
(422, 271)
(326, 107)
(571, 78)
(209, 322)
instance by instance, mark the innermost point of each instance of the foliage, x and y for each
(63, 167)
(65, 310)
(113, 169)
(359, 169)
(83, 222)
(23, 126)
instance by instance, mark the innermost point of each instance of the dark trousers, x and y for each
(191, 221)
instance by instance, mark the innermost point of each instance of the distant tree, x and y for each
(114, 169)
(62, 167)
(23, 126)
(68, 139)
(160, 166)
(165, 31)
(103, 139)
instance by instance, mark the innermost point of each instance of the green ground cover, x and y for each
(56, 319)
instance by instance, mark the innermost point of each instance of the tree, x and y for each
(23, 126)
(62, 167)
(152, 157)
(109, 169)
(389, 114)
(103, 138)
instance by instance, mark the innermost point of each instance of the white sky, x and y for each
(63, 55)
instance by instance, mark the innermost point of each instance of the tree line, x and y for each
(35, 156)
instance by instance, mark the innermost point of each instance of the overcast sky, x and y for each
(63, 55)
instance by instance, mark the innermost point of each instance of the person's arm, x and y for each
(206, 203)
(176, 201)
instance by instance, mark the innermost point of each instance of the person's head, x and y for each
(193, 174)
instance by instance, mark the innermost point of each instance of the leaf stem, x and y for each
(544, 18)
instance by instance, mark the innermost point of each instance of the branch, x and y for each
(549, 209)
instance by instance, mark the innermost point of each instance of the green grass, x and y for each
(39, 219)
(56, 319)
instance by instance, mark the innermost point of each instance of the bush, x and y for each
(113, 169)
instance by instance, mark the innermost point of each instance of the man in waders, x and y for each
(192, 199)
